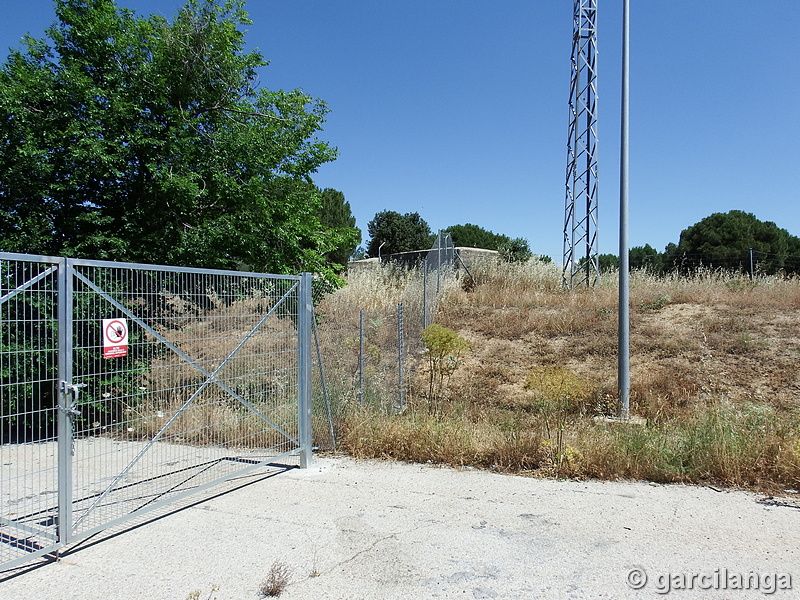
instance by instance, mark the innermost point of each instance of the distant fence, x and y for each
(372, 352)
(438, 265)
(124, 387)
(369, 355)
(754, 262)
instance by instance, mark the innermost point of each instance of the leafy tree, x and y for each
(645, 257)
(515, 250)
(141, 139)
(639, 257)
(398, 233)
(607, 262)
(472, 236)
(792, 264)
(335, 214)
(724, 240)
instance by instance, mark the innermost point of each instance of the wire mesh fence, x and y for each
(126, 387)
(437, 267)
(28, 397)
(369, 356)
(373, 348)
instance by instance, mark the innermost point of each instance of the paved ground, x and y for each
(352, 530)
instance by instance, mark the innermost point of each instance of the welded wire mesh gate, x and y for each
(125, 387)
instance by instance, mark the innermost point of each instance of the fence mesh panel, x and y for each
(365, 363)
(156, 382)
(28, 397)
(208, 384)
(442, 253)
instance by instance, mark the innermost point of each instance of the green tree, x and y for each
(646, 258)
(639, 257)
(607, 262)
(515, 250)
(792, 264)
(392, 232)
(141, 139)
(723, 240)
(472, 236)
(335, 214)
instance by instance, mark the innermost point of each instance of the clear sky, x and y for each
(458, 109)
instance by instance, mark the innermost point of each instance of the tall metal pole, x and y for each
(623, 372)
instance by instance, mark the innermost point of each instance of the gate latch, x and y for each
(74, 389)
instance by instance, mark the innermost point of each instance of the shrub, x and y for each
(444, 349)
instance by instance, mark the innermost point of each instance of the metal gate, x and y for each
(124, 387)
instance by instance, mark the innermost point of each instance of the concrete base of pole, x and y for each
(617, 420)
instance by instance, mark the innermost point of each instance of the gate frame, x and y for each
(66, 396)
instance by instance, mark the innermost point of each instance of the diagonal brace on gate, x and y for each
(210, 378)
(28, 284)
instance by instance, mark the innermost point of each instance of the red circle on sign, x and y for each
(116, 331)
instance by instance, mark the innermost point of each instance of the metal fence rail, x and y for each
(125, 387)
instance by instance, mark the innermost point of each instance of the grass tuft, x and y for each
(276, 581)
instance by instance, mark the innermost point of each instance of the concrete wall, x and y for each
(413, 259)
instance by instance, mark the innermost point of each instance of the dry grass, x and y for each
(276, 581)
(713, 372)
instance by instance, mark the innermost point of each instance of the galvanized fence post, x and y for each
(425, 293)
(401, 349)
(361, 357)
(304, 315)
(438, 263)
(65, 399)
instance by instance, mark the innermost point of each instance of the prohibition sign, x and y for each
(115, 338)
(117, 332)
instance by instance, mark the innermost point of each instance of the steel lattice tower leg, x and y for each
(580, 214)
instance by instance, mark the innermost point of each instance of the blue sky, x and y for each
(457, 109)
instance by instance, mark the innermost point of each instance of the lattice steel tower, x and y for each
(580, 218)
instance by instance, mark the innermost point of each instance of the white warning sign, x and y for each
(115, 338)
